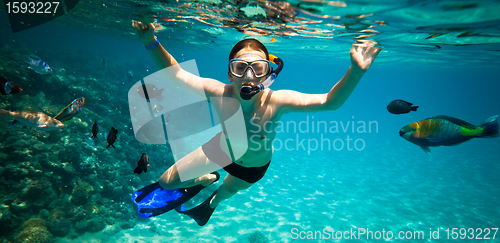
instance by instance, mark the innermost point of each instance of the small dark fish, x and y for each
(77, 183)
(400, 107)
(142, 165)
(149, 91)
(8, 87)
(447, 131)
(130, 74)
(95, 130)
(70, 110)
(104, 62)
(111, 137)
(38, 66)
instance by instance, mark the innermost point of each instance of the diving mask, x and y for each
(260, 68)
(249, 90)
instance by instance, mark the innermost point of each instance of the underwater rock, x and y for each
(96, 197)
(78, 213)
(67, 169)
(107, 188)
(67, 154)
(111, 231)
(46, 138)
(72, 236)
(258, 237)
(129, 189)
(135, 181)
(152, 227)
(48, 160)
(127, 225)
(59, 226)
(3, 157)
(87, 164)
(91, 208)
(8, 222)
(118, 215)
(81, 225)
(35, 188)
(11, 172)
(58, 212)
(45, 161)
(98, 188)
(110, 220)
(19, 155)
(117, 192)
(81, 193)
(19, 208)
(38, 192)
(44, 214)
(60, 207)
(92, 225)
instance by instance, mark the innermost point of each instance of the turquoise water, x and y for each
(441, 56)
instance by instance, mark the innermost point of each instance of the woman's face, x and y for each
(248, 55)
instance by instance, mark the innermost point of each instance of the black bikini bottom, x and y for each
(215, 154)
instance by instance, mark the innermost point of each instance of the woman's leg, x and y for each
(191, 170)
(229, 187)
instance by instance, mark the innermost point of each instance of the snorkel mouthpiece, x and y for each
(248, 91)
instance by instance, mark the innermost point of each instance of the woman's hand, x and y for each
(145, 32)
(363, 55)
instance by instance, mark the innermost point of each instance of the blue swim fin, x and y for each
(201, 213)
(153, 200)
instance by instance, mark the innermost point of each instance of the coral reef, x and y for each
(34, 222)
(34, 230)
(69, 186)
(34, 235)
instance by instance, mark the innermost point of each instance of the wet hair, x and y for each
(250, 43)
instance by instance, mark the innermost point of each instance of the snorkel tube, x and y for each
(248, 91)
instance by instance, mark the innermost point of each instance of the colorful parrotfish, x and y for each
(447, 131)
